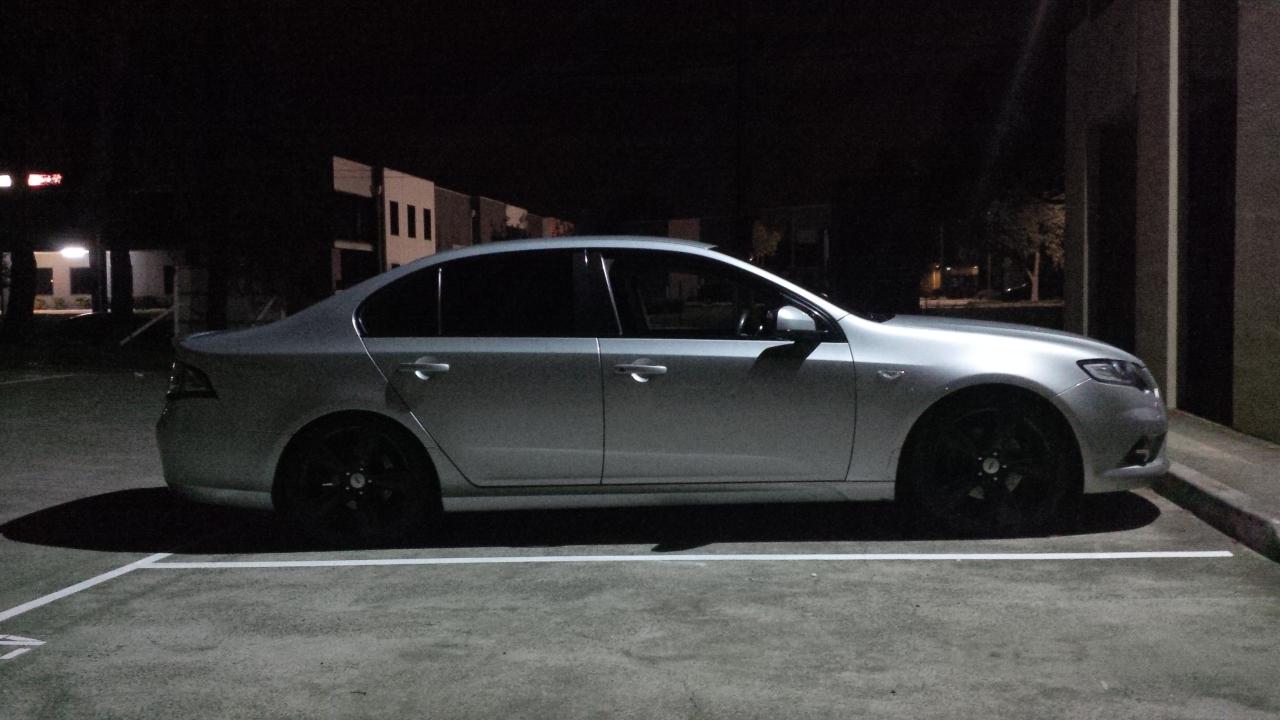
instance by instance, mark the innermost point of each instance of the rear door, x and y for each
(698, 389)
(492, 355)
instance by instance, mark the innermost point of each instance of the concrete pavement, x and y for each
(1228, 479)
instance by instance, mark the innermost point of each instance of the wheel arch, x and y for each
(986, 390)
(368, 416)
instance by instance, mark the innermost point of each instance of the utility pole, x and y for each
(378, 190)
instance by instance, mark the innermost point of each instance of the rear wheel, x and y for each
(993, 465)
(354, 481)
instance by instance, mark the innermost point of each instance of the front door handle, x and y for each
(640, 370)
(423, 370)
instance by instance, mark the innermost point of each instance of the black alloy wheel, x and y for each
(356, 483)
(992, 468)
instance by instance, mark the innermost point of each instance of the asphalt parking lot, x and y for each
(145, 606)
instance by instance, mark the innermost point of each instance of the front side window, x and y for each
(673, 295)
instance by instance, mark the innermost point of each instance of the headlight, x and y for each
(1118, 372)
(186, 381)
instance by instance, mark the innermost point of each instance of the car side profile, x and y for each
(616, 371)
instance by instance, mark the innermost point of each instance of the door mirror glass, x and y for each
(797, 325)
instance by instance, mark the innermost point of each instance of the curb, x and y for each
(1223, 507)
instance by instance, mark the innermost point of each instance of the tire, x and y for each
(991, 465)
(356, 482)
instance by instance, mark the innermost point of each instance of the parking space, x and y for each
(750, 611)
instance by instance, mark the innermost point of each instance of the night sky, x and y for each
(614, 110)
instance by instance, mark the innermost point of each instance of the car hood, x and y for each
(1086, 347)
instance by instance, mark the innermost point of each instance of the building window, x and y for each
(44, 281)
(411, 216)
(82, 281)
(168, 279)
(393, 217)
(426, 223)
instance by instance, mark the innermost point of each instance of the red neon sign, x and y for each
(42, 179)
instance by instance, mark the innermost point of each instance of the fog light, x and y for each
(1144, 451)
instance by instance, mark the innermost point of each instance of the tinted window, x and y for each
(681, 296)
(82, 280)
(405, 308)
(524, 294)
(44, 281)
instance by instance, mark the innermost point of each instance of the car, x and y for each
(614, 371)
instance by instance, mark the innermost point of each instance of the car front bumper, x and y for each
(1121, 431)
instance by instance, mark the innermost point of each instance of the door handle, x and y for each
(640, 371)
(423, 370)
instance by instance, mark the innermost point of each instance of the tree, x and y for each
(1027, 228)
(764, 241)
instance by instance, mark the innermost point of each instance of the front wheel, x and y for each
(355, 482)
(991, 466)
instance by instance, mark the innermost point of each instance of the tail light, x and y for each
(186, 381)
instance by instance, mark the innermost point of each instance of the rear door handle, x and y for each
(423, 370)
(640, 371)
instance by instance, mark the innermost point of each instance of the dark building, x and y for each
(1173, 196)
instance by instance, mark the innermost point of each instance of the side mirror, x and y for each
(796, 325)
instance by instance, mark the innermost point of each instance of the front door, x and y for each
(698, 389)
(487, 353)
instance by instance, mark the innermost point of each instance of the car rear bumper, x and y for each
(206, 458)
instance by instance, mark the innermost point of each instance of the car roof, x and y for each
(565, 243)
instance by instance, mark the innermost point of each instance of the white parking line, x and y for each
(38, 378)
(766, 557)
(83, 585)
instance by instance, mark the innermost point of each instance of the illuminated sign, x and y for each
(42, 179)
(6, 180)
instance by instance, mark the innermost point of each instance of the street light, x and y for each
(74, 252)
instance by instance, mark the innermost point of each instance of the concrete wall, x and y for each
(453, 219)
(555, 227)
(492, 217)
(1154, 207)
(1256, 406)
(1101, 85)
(61, 267)
(534, 223)
(148, 274)
(410, 194)
(352, 177)
(1118, 68)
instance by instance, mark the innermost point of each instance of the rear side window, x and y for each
(405, 308)
(523, 294)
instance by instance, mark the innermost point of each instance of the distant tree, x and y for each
(1027, 228)
(764, 241)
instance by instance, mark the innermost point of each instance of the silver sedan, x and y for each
(622, 371)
